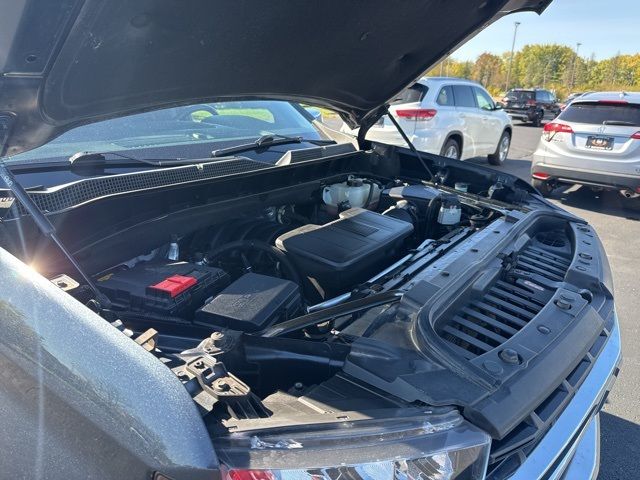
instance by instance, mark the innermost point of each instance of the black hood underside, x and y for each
(71, 62)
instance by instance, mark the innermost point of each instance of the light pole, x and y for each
(575, 64)
(513, 46)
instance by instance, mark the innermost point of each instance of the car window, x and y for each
(600, 113)
(229, 122)
(485, 102)
(415, 93)
(464, 96)
(520, 95)
(543, 96)
(445, 97)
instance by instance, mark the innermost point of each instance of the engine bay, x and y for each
(242, 310)
(258, 270)
(336, 298)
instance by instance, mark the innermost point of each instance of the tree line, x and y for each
(554, 67)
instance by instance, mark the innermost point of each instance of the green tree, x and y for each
(555, 67)
(488, 69)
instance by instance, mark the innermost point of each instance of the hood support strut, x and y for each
(47, 228)
(411, 145)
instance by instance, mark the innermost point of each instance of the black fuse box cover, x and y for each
(164, 287)
(251, 303)
(347, 251)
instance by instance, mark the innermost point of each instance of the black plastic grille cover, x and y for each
(76, 193)
(510, 452)
(513, 301)
(506, 307)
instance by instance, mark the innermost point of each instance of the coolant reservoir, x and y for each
(354, 191)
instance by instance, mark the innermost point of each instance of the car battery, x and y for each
(167, 288)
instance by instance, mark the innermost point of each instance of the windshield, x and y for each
(227, 123)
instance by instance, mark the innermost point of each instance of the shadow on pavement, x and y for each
(605, 202)
(620, 446)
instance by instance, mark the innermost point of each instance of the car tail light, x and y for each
(613, 102)
(550, 129)
(416, 113)
(540, 175)
(425, 447)
(636, 136)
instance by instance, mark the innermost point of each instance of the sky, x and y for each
(603, 27)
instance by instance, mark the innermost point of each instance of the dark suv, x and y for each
(531, 105)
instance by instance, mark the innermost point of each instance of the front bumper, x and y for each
(587, 177)
(571, 447)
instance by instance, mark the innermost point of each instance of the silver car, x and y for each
(595, 141)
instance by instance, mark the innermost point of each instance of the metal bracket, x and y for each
(209, 382)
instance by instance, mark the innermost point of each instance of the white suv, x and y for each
(452, 117)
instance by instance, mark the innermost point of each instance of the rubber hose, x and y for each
(371, 189)
(434, 204)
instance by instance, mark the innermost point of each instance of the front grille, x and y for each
(510, 452)
(508, 306)
(540, 262)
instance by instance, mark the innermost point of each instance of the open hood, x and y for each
(69, 62)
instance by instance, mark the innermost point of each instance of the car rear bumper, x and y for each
(586, 177)
(571, 447)
(425, 140)
(523, 115)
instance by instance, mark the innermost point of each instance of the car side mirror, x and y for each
(499, 106)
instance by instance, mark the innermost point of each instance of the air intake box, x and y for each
(347, 251)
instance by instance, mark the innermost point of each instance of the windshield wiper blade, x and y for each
(266, 141)
(90, 159)
(622, 123)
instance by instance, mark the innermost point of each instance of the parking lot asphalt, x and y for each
(617, 221)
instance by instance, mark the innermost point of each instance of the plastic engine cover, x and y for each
(347, 251)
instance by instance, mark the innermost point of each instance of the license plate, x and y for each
(600, 143)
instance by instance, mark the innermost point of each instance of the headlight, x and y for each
(429, 447)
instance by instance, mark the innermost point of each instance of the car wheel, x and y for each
(502, 150)
(542, 186)
(451, 149)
